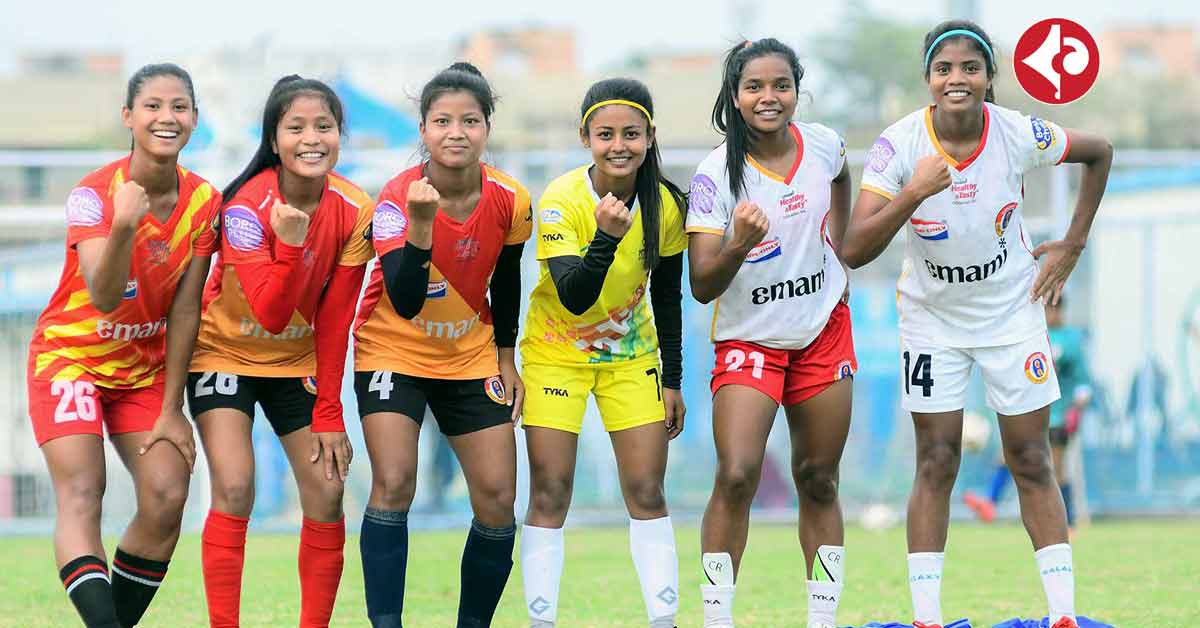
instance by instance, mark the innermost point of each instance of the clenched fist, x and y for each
(750, 225)
(932, 175)
(130, 204)
(422, 200)
(290, 224)
(612, 217)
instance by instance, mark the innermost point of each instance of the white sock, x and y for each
(925, 583)
(718, 605)
(717, 596)
(825, 588)
(823, 600)
(541, 570)
(1058, 579)
(652, 543)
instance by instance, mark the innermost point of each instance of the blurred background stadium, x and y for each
(1136, 289)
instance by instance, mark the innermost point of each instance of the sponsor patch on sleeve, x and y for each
(84, 208)
(702, 195)
(242, 228)
(388, 222)
(1043, 134)
(881, 154)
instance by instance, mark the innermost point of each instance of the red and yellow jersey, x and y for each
(452, 336)
(124, 348)
(231, 340)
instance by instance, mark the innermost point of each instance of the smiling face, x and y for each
(766, 94)
(958, 77)
(162, 117)
(618, 136)
(307, 137)
(455, 130)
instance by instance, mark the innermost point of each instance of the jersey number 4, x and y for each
(381, 382)
(919, 374)
(82, 393)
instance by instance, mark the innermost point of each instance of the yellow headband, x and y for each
(603, 103)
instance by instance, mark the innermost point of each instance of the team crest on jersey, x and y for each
(880, 155)
(1004, 218)
(160, 251)
(84, 208)
(494, 388)
(1037, 367)
(310, 384)
(930, 229)
(130, 289)
(436, 289)
(792, 204)
(551, 216)
(1043, 134)
(766, 250)
(702, 194)
(844, 370)
(466, 248)
(242, 228)
(388, 221)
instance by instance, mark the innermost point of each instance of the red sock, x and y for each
(222, 554)
(320, 570)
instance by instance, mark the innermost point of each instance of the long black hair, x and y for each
(460, 77)
(726, 117)
(649, 174)
(966, 25)
(282, 94)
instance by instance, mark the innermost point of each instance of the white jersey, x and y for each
(968, 266)
(784, 292)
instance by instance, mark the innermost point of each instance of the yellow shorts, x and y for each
(627, 396)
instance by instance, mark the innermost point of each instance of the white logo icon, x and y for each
(1042, 59)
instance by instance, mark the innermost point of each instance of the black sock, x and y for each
(486, 563)
(383, 543)
(135, 580)
(1066, 495)
(86, 581)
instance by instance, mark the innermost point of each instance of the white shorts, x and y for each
(1019, 378)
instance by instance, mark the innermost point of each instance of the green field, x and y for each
(1130, 574)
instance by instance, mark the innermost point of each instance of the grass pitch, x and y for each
(1130, 574)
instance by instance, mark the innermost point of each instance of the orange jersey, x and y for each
(452, 336)
(124, 348)
(231, 340)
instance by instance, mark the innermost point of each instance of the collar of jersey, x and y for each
(937, 145)
(767, 172)
(587, 179)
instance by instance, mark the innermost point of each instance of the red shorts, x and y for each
(790, 376)
(65, 407)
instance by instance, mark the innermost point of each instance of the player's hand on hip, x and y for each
(130, 204)
(750, 226)
(612, 217)
(289, 224)
(334, 449)
(1060, 259)
(932, 175)
(676, 410)
(422, 201)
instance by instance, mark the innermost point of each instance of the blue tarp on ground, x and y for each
(1084, 622)
(958, 623)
